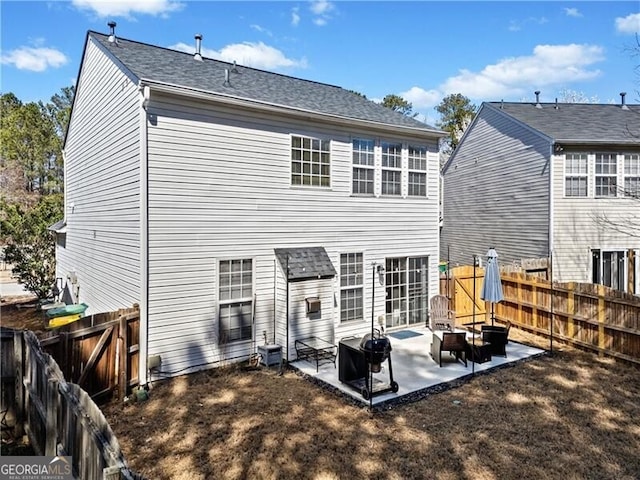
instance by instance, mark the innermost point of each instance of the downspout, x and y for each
(551, 218)
(144, 238)
(287, 307)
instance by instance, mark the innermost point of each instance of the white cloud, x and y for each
(517, 25)
(420, 98)
(35, 59)
(295, 17)
(256, 55)
(127, 8)
(322, 10)
(260, 29)
(628, 24)
(572, 12)
(548, 65)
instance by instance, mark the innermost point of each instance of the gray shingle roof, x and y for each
(305, 263)
(579, 122)
(170, 67)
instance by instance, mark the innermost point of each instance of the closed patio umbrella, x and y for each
(492, 285)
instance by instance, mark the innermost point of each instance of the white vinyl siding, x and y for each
(220, 188)
(496, 192)
(102, 177)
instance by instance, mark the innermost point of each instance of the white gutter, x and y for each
(144, 239)
(272, 108)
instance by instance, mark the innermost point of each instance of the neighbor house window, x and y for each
(609, 268)
(606, 175)
(363, 166)
(236, 299)
(310, 161)
(417, 171)
(632, 175)
(576, 175)
(391, 168)
(351, 281)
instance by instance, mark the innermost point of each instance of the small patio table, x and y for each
(316, 349)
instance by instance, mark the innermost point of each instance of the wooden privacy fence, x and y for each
(98, 352)
(59, 417)
(588, 316)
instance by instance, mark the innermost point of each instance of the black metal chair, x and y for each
(498, 337)
(452, 342)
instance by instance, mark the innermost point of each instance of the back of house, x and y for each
(240, 207)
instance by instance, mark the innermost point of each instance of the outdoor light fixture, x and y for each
(381, 272)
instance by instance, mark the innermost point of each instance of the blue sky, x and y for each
(421, 50)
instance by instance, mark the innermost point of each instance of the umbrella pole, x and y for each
(492, 314)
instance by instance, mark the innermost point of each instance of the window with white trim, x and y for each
(417, 178)
(391, 168)
(606, 175)
(576, 175)
(235, 287)
(631, 171)
(351, 287)
(310, 161)
(363, 166)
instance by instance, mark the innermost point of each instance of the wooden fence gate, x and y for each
(463, 287)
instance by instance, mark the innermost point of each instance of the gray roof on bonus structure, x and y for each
(305, 263)
(174, 68)
(580, 123)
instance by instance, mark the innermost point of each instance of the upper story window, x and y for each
(576, 175)
(631, 172)
(391, 168)
(310, 161)
(363, 166)
(417, 178)
(606, 175)
(351, 287)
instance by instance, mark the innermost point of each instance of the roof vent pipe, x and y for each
(537, 92)
(197, 55)
(502, 104)
(235, 67)
(112, 35)
(557, 107)
(624, 105)
(226, 78)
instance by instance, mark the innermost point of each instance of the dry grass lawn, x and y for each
(569, 416)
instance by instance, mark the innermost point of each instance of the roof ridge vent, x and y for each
(198, 55)
(623, 104)
(537, 92)
(112, 34)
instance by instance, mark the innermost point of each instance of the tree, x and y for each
(30, 247)
(398, 104)
(456, 112)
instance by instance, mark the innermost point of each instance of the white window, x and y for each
(609, 268)
(576, 175)
(236, 300)
(351, 282)
(417, 177)
(391, 168)
(632, 175)
(606, 175)
(310, 161)
(363, 166)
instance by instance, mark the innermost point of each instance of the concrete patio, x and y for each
(416, 373)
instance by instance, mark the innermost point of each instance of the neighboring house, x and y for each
(538, 179)
(238, 206)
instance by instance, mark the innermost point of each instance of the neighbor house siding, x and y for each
(220, 188)
(584, 224)
(496, 192)
(102, 184)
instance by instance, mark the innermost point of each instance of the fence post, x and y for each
(18, 355)
(123, 344)
(601, 320)
(535, 319)
(571, 310)
(51, 440)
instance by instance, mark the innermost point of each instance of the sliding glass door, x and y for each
(407, 290)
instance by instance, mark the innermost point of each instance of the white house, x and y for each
(241, 207)
(539, 179)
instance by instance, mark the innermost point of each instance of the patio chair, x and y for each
(498, 337)
(453, 342)
(440, 316)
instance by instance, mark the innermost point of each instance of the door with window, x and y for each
(609, 268)
(407, 291)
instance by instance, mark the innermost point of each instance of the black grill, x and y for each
(376, 348)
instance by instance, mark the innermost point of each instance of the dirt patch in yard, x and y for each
(569, 416)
